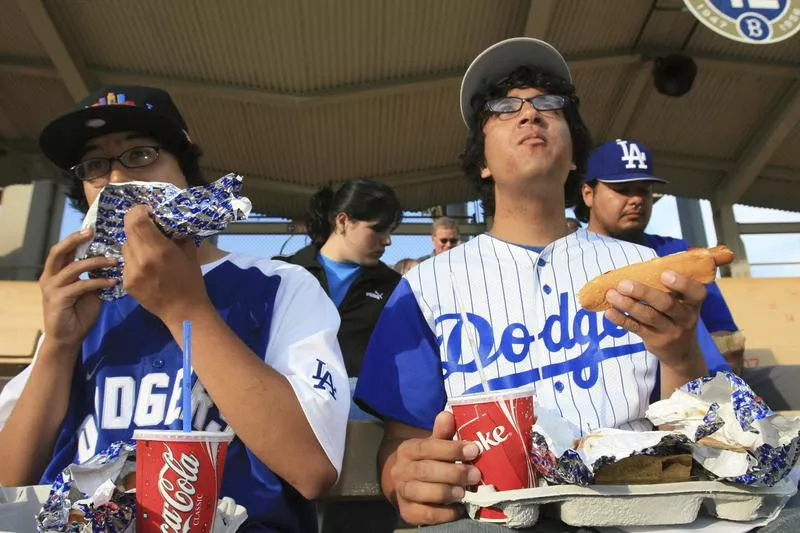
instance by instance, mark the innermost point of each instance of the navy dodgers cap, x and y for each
(621, 161)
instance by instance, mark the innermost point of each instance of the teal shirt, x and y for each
(339, 276)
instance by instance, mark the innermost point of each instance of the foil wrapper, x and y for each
(552, 449)
(599, 448)
(196, 212)
(735, 436)
(90, 497)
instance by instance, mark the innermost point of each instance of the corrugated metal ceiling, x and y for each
(384, 78)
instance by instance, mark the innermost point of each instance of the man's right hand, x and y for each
(428, 481)
(71, 305)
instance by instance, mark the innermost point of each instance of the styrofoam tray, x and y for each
(635, 505)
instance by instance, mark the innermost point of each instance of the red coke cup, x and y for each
(178, 477)
(500, 423)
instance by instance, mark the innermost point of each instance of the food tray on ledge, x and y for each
(636, 505)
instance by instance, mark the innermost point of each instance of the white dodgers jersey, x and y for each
(523, 322)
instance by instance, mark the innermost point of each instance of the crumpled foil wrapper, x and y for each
(736, 436)
(562, 456)
(89, 498)
(552, 449)
(197, 212)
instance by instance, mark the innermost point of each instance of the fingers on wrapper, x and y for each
(699, 264)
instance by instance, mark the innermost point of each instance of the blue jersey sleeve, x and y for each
(401, 376)
(715, 361)
(715, 312)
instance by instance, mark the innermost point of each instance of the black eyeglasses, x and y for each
(540, 102)
(99, 167)
(451, 241)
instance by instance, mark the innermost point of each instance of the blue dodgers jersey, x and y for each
(527, 328)
(129, 377)
(715, 312)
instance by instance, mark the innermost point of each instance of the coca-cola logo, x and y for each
(490, 439)
(179, 493)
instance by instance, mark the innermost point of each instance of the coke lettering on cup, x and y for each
(178, 480)
(499, 423)
(485, 441)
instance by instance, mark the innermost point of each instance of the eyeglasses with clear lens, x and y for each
(99, 167)
(540, 102)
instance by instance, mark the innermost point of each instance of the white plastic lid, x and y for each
(481, 397)
(173, 435)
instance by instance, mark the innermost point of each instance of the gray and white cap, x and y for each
(500, 59)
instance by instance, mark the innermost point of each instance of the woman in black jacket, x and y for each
(349, 231)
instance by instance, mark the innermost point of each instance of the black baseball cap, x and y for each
(500, 59)
(112, 109)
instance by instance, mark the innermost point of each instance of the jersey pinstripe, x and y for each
(526, 325)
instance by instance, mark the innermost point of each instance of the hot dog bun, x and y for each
(700, 264)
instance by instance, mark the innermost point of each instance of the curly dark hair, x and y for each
(188, 157)
(473, 159)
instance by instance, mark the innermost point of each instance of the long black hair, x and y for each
(473, 158)
(188, 157)
(364, 200)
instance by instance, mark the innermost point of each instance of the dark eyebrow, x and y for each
(130, 137)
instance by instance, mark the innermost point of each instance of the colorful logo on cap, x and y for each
(749, 21)
(113, 99)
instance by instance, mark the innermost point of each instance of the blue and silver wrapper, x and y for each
(736, 436)
(196, 212)
(73, 505)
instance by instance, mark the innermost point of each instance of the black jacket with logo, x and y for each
(360, 307)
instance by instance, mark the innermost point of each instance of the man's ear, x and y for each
(485, 173)
(587, 193)
(573, 166)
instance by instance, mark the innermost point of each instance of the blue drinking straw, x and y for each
(186, 397)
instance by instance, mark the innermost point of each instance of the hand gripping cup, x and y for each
(500, 423)
(178, 476)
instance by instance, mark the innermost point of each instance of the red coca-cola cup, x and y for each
(500, 423)
(178, 477)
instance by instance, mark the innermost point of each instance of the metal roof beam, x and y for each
(68, 68)
(539, 14)
(262, 183)
(630, 101)
(760, 228)
(7, 128)
(774, 129)
(323, 97)
(454, 171)
(703, 60)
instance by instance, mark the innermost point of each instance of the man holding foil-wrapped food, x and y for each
(502, 311)
(268, 366)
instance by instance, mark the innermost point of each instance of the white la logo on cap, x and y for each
(631, 154)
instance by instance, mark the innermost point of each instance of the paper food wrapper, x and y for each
(98, 496)
(197, 212)
(735, 436)
(562, 456)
